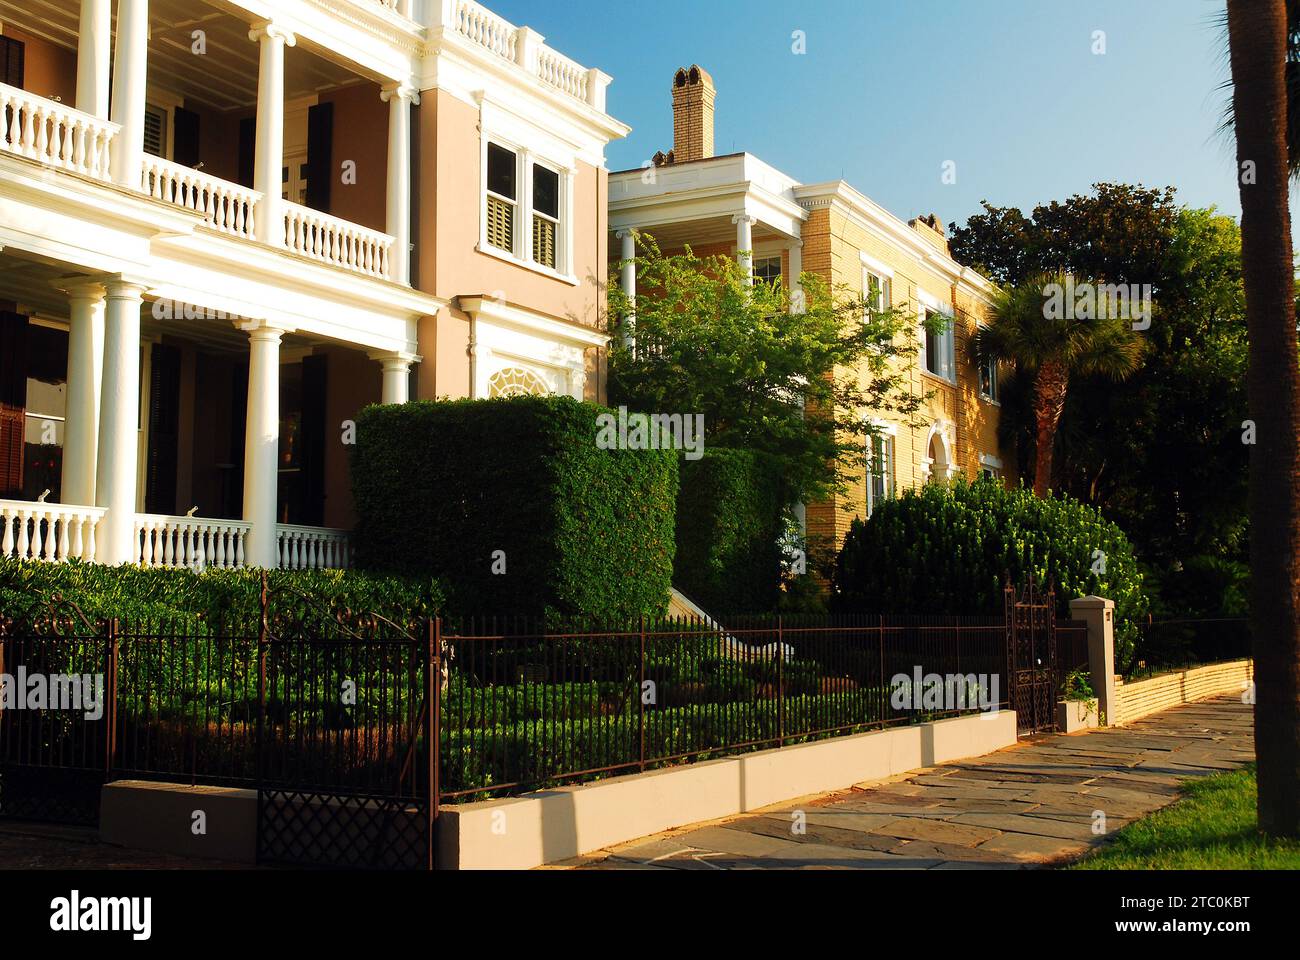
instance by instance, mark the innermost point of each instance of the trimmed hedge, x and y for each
(182, 596)
(440, 487)
(729, 526)
(948, 549)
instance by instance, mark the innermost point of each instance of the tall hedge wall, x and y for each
(729, 525)
(440, 487)
(946, 550)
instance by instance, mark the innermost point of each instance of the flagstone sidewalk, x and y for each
(1040, 802)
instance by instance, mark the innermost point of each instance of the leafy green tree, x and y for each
(797, 385)
(1052, 347)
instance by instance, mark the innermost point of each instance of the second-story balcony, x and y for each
(264, 135)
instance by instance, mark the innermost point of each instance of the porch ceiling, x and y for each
(701, 233)
(225, 78)
(33, 286)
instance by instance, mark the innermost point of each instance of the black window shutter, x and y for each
(314, 399)
(13, 402)
(185, 137)
(12, 61)
(164, 429)
(320, 155)
(247, 150)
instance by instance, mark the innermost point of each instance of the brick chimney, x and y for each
(693, 97)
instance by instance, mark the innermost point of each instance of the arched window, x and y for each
(516, 382)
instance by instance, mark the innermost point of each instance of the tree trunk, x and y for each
(1050, 386)
(1257, 38)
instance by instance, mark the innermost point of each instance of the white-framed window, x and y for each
(546, 216)
(501, 209)
(881, 470)
(876, 291)
(940, 353)
(527, 208)
(990, 467)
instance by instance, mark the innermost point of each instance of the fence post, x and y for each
(780, 680)
(1099, 613)
(433, 731)
(640, 695)
(259, 742)
(110, 693)
(884, 685)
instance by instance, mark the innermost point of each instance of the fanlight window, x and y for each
(516, 382)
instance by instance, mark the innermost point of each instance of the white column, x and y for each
(798, 304)
(85, 370)
(93, 52)
(628, 283)
(262, 443)
(745, 243)
(399, 98)
(119, 423)
(397, 376)
(130, 66)
(268, 159)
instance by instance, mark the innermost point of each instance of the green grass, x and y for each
(1212, 827)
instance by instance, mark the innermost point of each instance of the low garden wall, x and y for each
(1136, 700)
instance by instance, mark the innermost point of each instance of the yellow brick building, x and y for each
(740, 206)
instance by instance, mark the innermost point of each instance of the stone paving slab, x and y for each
(1027, 806)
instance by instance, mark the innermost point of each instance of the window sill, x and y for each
(491, 251)
(985, 398)
(938, 378)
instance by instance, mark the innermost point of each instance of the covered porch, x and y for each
(139, 429)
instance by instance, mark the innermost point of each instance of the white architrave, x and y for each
(506, 335)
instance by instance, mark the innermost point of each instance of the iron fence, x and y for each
(1166, 645)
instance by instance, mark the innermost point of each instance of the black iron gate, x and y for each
(1031, 657)
(56, 720)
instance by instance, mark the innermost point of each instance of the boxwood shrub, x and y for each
(948, 549)
(729, 525)
(183, 597)
(462, 490)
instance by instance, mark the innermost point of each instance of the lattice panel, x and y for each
(343, 831)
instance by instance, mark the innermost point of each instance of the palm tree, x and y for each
(1052, 346)
(1258, 44)
(1292, 88)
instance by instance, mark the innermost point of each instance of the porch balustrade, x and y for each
(227, 207)
(47, 531)
(194, 542)
(50, 132)
(338, 242)
(311, 548)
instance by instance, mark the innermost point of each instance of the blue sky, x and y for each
(890, 89)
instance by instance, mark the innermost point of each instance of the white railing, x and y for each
(49, 132)
(562, 73)
(481, 25)
(48, 531)
(339, 242)
(226, 206)
(404, 7)
(194, 542)
(311, 548)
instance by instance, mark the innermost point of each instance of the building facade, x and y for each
(739, 206)
(227, 226)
